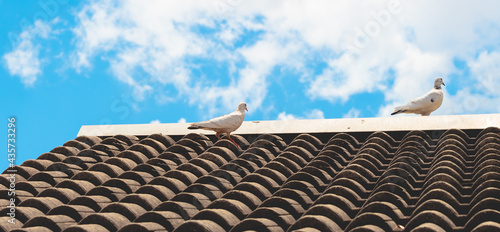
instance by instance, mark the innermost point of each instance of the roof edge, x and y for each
(310, 126)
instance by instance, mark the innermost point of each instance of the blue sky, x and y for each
(65, 64)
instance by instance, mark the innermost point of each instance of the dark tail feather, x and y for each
(397, 112)
(193, 127)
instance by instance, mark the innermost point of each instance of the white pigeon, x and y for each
(224, 124)
(426, 104)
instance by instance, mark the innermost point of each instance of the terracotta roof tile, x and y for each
(165, 165)
(278, 215)
(79, 186)
(169, 220)
(95, 202)
(127, 185)
(44, 204)
(33, 187)
(182, 209)
(97, 155)
(33, 229)
(129, 139)
(118, 144)
(22, 213)
(257, 224)
(161, 192)
(238, 208)
(76, 212)
(175, 185)
(147, 201)
(65, 195)
(153, 169)
(199, 225)
(52, 222)
(37, 164)
(77, 144)
(166, 140)
(113, 193)
(9, 226)
(130, 210)
(86, 228)
(141, 177)
(222, 217)
(110, 221)
(90, 140)
(143, 226)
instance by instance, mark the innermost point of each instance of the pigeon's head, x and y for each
(242, 106)
(438, 82)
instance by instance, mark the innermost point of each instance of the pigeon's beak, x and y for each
(444, 84)
(246, 109)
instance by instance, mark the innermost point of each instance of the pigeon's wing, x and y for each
(226, 122)
(421, 103)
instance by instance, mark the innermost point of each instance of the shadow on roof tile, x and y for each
(169, 220)
(182, 209)
(76, 212)
(86, 228)
(90, 140)
(161, 192)
(318, 222)
(22, 213)
(55, 223)
(166, 140)
(111, 221)
(142, 226)
(130, 210)
(221, 217)
(96, 203)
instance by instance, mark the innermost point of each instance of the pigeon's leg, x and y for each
(217, 134)
(229, 137)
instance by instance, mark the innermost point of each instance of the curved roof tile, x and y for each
(110, 221)
(221, 217)
(96, 203)
(166, 140)
(90, 140)
(76, 212)
(169, 220)
(182, 209)
(52, 222)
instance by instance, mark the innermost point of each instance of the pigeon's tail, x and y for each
(400, 109)
(194, 126)
(398, 112)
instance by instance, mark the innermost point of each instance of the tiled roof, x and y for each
(440, 180)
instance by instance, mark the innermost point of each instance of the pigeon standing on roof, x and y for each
(426, 104)
(224, 124)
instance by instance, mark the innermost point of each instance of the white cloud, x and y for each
(482, 96)
(486, 71)
(285, 117)
(353, 113)
(182, 120)
(151, 45)
(23, 60)
(156, 121)
(366, 46)
(313, 114)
